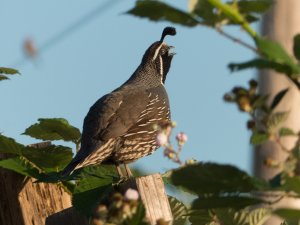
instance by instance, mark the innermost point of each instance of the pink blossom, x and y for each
(181, 137)
(131, 194)
(162, 139)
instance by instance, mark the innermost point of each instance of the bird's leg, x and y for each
(128, 171)
(119, 170)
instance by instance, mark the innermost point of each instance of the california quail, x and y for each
(119, 127)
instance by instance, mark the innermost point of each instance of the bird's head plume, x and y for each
(159, 55)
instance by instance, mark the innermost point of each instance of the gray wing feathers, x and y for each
(110, 117)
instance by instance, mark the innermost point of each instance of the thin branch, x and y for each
(236, 40)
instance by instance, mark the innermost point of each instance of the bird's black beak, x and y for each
(171, 51)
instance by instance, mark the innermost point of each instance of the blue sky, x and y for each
(95, 57)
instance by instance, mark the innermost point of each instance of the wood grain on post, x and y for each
(152, 193)
(23, 202)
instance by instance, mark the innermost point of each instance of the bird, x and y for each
(120, 127)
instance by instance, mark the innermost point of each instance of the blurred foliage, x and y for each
(222, 194)
(7, 71)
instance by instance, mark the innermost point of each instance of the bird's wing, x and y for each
(112, 115)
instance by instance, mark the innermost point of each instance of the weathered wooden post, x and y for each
(152, 193)
(23, 202)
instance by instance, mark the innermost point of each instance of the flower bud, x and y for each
(271, 162)
(244, 103)
(253, 84)
(228, 98)
(190, 161)
(131, 194)
(161, 139)
(251, 124)
(239, 91)
(173, 124)
(181, 138)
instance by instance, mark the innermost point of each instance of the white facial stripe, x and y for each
(161, 65)
(156, 52)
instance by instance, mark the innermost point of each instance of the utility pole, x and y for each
(280, 24)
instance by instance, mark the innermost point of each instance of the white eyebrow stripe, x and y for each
(157, 51)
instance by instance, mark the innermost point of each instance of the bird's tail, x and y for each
(69, 168)
(73, 164)
(85, 157)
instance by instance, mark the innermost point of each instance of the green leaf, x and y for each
(2, 77)
(254, 6)
(256, 216)
(68, 186)
(242, 217)
(49, 159)
(236, 202)
(230, 216)
(274, 52)
(20, 166)
(284, 131)
(288, 214)
(260, 63)
(207, 178)
(296, 47)
(9, 145)
(275, 119)
(9, 71)
(202, 217)
(92, 185)
(229, 13)
(159, 11)
(54, 129)
(291, 184)
(229, 10)
(213, 15)
(259, 101)
(278, 97)
(179, 211)
(258, 138)
(206, 12)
